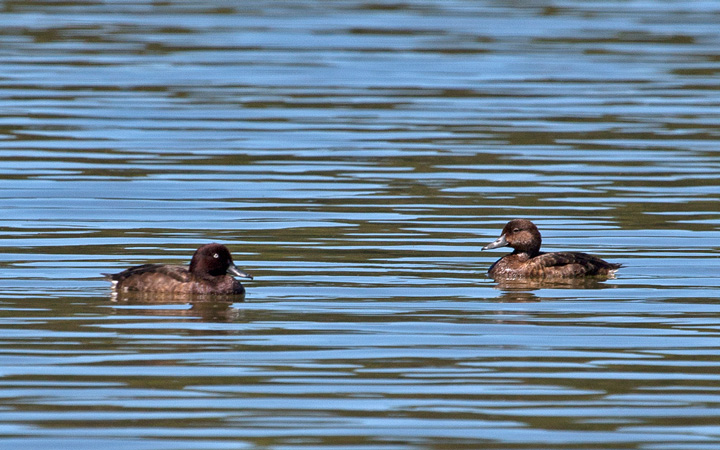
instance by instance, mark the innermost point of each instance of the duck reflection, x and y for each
(559, 283)
(522, 290)
(209, 308)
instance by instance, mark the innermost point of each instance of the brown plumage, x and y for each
(527, 261)
(207, 274)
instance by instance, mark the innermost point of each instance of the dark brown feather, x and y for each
(207, 274)
(528, 262)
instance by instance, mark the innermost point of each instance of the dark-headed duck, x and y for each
(527, 261)
(207, 274)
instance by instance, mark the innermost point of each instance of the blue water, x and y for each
(355, 157)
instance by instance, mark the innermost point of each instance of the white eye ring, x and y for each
(216, 256)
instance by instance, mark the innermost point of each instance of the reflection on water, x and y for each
(209, 308)
(530, 284)
(357, 155)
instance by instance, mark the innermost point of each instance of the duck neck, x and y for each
(527, 253)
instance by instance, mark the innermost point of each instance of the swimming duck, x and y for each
(527, 261)
(207, 274)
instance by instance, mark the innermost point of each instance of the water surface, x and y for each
(355, 156)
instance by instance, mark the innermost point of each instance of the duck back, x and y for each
(172, 279)
(552, 265)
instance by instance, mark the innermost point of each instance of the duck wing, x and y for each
(178, 273)
(571, 264)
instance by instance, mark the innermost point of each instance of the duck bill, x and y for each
(232, 270)
(500, 242)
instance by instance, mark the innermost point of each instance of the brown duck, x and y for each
(527, 261)
(207, 274)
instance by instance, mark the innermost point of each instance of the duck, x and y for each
(527, 261)
(210, 272)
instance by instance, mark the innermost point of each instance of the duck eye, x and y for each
(216, 256)
(516, 230)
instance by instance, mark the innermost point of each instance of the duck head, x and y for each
(214, 260)
(520, 234)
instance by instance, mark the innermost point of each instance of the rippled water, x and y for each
(355, 156)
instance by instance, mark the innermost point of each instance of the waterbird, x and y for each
(209, 272)
(527, 261)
